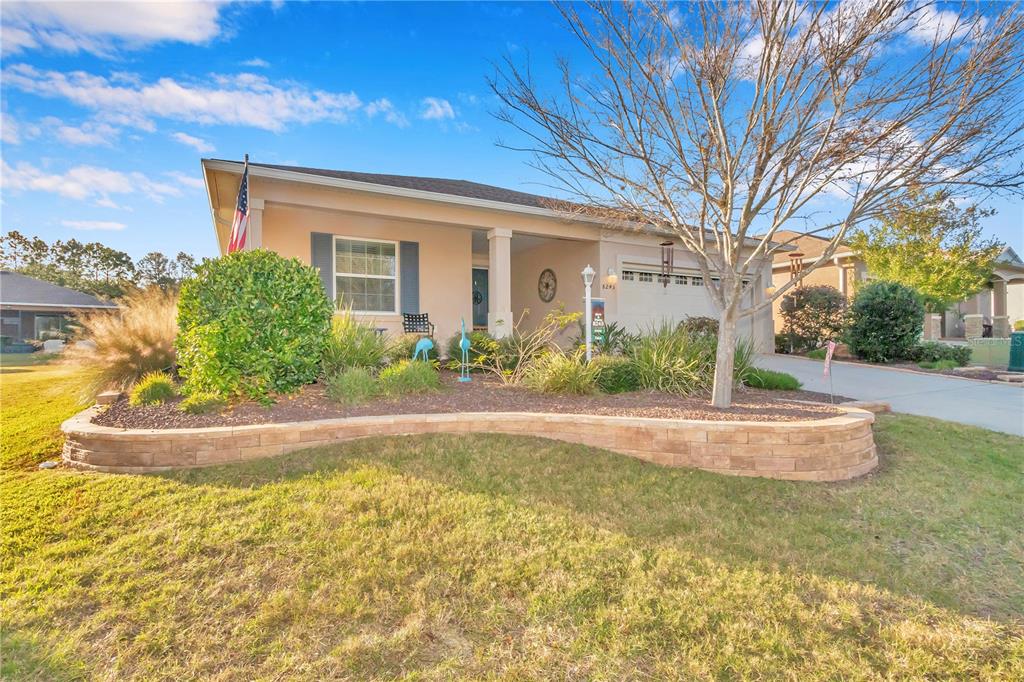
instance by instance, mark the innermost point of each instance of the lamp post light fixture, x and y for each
(588, 279)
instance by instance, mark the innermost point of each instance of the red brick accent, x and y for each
(831, 449)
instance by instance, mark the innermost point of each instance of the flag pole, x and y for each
(248, 228)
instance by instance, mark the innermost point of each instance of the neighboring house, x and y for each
(996, 307)
(33, 309)
(392, 244)
(841, 271)
(992, 311)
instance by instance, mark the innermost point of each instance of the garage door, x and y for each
(645, 301)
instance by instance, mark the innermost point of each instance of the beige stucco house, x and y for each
(992, 311)
(454, 249)
(842, 271)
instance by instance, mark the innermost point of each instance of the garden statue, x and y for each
(423, 347)
(464, 345)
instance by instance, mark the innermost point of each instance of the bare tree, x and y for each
(721, 123)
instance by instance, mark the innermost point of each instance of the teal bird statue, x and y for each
(464, 345)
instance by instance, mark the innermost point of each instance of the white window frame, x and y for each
(396, 278)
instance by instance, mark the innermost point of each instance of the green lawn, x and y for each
(35, 398)
(502, 557)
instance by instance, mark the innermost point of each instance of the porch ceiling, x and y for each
(520, 242)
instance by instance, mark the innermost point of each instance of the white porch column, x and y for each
(499, 283)
(254, 237)
(1000, 321)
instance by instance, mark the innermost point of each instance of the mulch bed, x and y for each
(484, 394)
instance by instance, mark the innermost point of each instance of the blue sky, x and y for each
(107, 110)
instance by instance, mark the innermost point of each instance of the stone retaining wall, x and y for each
(831, 449)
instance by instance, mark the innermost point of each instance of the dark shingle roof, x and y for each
(459, 188)
(17, 288)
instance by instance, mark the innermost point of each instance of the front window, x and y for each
(365, 275)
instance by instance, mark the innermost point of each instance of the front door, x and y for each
(480, 297)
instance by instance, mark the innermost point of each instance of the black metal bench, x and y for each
(417, 323)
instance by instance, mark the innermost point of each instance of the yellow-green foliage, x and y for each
(409, 376)
(557, 372)
(152, 389)
(122, 346)
(202, 403)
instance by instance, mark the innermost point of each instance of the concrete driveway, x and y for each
(979, 403)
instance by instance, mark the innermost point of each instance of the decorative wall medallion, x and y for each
(547, 285)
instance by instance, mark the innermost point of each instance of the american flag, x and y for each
(241, 223)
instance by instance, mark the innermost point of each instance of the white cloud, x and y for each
(93, 225)
(187, 180)
(385, 107)
(15, 132)
(241, 99)
(931, 24)
(256, 63)
(436, 109)
(103, 28)
(89, 134)
(197, 143)
(84, 183)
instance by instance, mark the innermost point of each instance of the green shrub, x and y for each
(935, 351)
(252, 324)
(886, 319)
(409, 376)
(557, 372)
(616, 339)
(152, 389)
(616, 374)
(121, 346)
(352, 343)
(1018, 326)
(812, 315)
(782, 344)
(756, 377)
(402, 347)
(674, 360)
(202, 403)
(479, 342)
(352, 385)
(700, 325)
(938, 364)
(817, 354)
(510, 358)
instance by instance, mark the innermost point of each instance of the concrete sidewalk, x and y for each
(979, 403)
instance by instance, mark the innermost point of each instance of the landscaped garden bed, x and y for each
(259, 364)
(484, 394)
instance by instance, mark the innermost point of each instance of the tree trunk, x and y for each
(725, 358)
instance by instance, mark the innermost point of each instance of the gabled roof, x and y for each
(458, 188)
(18, 289)
(810, 245)
(1009, 256)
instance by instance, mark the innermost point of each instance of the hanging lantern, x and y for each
(666, 262)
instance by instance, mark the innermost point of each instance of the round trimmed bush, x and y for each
(812, 316)
(886, 320)
(252, 324)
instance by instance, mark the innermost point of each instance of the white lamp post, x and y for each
(588, 279)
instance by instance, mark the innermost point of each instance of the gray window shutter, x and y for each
(321, 257)
(409, 276)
